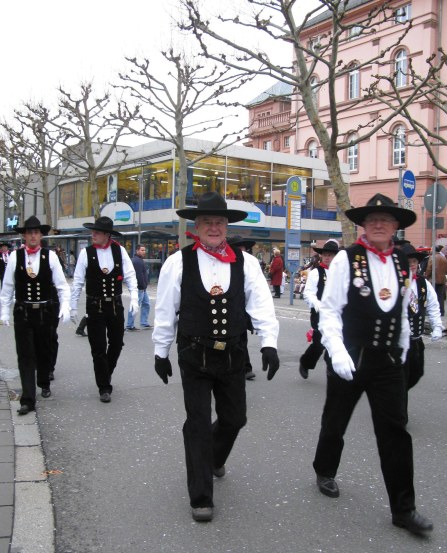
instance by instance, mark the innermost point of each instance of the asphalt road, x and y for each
(122, 482)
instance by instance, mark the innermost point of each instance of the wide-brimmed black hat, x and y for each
(410, 251)
(381, 204)
(103, 224)
(241, 241)
(33, 223)
(212, 203)
(330, 246)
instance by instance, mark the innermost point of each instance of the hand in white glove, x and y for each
(436, 335)
(316, 306)
(133, 308)
(74, 316)
(343, 365)
(4, 321)
(403, 356)
(64, 313)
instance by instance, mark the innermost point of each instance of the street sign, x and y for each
(439, 222)
(408, 184)
(408, 204)
(441, 197)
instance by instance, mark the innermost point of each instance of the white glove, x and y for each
(64, 312)
(436, 334)
(134, 308)
(343, 365)
(74, 316)
(4, 321)
(403, 356)
(316, 306)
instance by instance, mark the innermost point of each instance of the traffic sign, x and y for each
(408, 204)
(441, 197)
(408, 184)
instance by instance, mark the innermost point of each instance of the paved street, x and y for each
(119, 483)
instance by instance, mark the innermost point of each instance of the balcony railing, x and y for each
(271, 121)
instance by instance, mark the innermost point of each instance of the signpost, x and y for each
(293, 228)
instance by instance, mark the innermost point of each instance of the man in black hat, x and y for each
(365, 330)
(423, 301)
(31, 274)
(4, 257)
(204, 291)
(103, 266)
(313, 291)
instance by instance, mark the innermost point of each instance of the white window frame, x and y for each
(399, 146)
(354, 83)
(352, 156)
(267, 145)
(354, 32)
(313, 149)
(401, 68)
(402, 14)
(287, 142)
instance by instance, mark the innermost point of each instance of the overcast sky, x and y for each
(47, 43)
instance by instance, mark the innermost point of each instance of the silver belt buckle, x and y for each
(35, 305)
(108, 299)
(219, 345)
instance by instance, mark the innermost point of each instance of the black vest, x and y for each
(364, 323)
(203, 315)
(37, 288)
(417, 310)
(99, 284)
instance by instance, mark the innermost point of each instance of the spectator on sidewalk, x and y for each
(440, 275)
(143, 298)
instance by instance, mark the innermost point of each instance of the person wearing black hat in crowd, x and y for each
(103, 266)
(423, 301)
(203, 292)
(4, 257)
(31, 274)
(365, 330)
(313, 291)
(246, 245)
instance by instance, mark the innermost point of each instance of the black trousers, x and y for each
(105, 334)
(310, 357)
(206, 372)
(33, 330)
(414, 365)
(440, 292)
(384, 384)
(54, 337)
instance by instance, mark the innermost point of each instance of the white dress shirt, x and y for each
(105, 259)
(432, 308)
(335, 297)
(311, 288)
(33, 260)
(258, 299)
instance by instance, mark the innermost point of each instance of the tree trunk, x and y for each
(182, 188)
(94, 193)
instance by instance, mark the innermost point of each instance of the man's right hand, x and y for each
(163, 368)
(343, 365)
(74, 316)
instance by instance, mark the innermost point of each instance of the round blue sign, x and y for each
(408, 184)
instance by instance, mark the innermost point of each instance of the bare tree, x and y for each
(275, 21)
(89, 133)
(175, 103)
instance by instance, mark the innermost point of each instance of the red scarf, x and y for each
(381, 255)
(324, 265)
(30, 251)
(98, 247)
(223, 252)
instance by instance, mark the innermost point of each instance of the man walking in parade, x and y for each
(365, 330)
(204, 290)
(104, 266)
(31, 274)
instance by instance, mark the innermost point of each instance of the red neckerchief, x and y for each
(324, 265)
(30, 251)
(381, 255)
(414, 277)
(98, 247)
(223, 252)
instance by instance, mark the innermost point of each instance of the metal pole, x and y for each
(433, 234)
(140, 201)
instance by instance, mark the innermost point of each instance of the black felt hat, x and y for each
(103, 224)
(410, 251)
(212, 203)
(241, 241)
(381, 204)
(33, 223)
(330, 246)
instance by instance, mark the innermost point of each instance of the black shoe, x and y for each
(105, 397)
(51, 375)
(81, 333)
(413, 522)
(132, 329)
(328, 486)
(25, 409)
(46, 392)
(250, 375)
(146, 327)
(202, 514)
(219, 472)
(303, 371)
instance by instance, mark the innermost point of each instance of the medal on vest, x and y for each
(216, 290)
(105, 270)
(385, 294)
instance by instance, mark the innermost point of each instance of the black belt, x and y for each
(104, 298)
(414, 338)
(34, 304)
(214, 344)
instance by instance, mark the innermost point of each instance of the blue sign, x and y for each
(294, 186)
(408, 184)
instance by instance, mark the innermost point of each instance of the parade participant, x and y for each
(423, 300)
(32, 273)
(205, 290)
(245, 245)
(276, 270)
(312, 294)
(4, 257)
(103, 266)
(143, 298)
(365, 330)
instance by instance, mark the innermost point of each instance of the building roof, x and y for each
(326, 14)
(279, 89)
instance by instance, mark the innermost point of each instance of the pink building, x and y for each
(375, 165)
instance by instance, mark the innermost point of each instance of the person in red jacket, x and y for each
(276, 270)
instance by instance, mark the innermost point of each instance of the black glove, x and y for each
(163, 368)
(270, 360)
